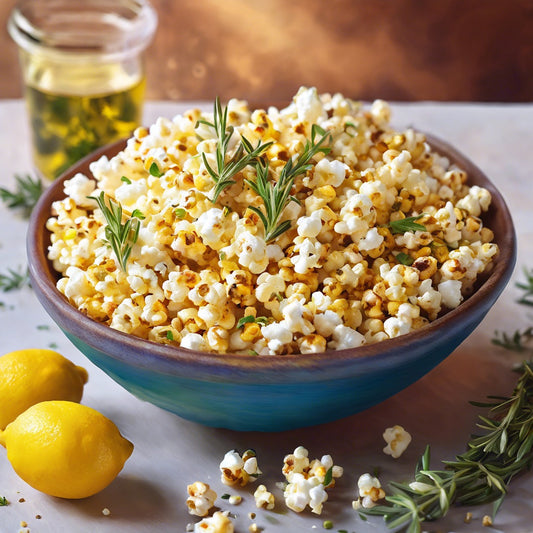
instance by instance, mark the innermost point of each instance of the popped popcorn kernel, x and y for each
(370, 492)
(201, 498)
(397, 440)
(218, 523)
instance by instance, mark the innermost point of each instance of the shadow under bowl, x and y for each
(268, 393)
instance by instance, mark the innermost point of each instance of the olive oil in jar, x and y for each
(66, 128)
(83, 71)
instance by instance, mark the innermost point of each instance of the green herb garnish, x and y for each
(14, 280)
(180, 213)
(225, 496)
(276, 195)
(154, 170)
(328, 477)
(250, 318)
(169, 335)
(405, 259)
(520, 340)
(27, 192)
(120, 236)
(407, 224)
(244, 155)
(3, 501)
(125, 180)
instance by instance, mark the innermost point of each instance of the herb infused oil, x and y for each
(83, 71)
(66, 127)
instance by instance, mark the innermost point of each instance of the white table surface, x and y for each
(149, 494)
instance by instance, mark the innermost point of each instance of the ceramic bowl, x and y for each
(277, 392)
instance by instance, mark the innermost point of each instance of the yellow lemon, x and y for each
(65, 449)
(31, 376)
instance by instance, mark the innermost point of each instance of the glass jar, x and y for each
(83, 73)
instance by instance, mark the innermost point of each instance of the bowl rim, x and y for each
(144, 353)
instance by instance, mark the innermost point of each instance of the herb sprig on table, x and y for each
(14, 279)
(25, 195)
(480, 475)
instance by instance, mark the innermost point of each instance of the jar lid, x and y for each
(109, 29)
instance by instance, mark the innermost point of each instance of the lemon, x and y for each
(31, 376)
(65, 449)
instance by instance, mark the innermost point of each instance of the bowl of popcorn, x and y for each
(269, 269)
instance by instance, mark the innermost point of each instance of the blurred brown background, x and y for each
(263, 50)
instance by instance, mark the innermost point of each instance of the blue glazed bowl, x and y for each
(268, 393)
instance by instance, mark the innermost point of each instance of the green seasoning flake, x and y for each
(225, 496)
(405, 259)
(170, 335)
(154, 170)
(328, 477)
(3, 501)
(180, 212)
(125, 180)
(138, 214)
(250, 318)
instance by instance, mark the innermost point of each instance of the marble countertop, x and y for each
(149, 494)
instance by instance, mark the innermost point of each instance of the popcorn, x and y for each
(263, 498)
(397, 440)
(370, 492)
(218, 523)
(201, 498)
(237, 470)
(308, 480)
(338, 276)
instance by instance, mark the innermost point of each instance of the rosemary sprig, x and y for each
(120, 236)
(407, 224)
(276, 195)
(25, 195)
(244, 155)
(14, 280)
(478, 476)
(520, 340)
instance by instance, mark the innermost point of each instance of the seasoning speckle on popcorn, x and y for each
(320, 221)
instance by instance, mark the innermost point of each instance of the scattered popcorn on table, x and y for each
(308, 480)
(344, 272)
(397, 440)
(370, 492)
(237, 470)
(201, 498)
(218, 523)
(263, 498)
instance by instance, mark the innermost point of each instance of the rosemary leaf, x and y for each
(120, 236)
(226, 168)
(276, 195)
(25, 195)
(14, 280)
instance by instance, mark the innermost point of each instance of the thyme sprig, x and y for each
(13, 279)
(25, 195)
(478, 476)
(277, 194)
(244, 155)
(120, 236)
